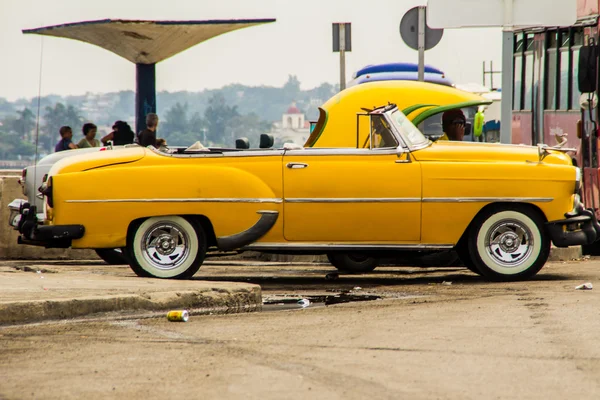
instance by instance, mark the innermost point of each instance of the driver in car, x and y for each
(453, 124)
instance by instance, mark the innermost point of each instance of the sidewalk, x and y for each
(37, 292)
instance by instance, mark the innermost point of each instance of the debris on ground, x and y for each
(304, 303)
(444, 283)
(357, 288)
(178, 316)
(585, 286)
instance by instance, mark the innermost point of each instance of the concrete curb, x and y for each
(216, 301)
(565, 253)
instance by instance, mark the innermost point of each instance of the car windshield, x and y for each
(410, 133)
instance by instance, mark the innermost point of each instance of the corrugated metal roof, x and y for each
(145, 42)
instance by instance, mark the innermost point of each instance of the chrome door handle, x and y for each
(296, 165)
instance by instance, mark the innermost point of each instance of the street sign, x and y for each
(342, 37)
(489, 13)
(418, 36)
(409, 30)
(342, 42)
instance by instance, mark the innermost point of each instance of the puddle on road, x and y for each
(288, 302)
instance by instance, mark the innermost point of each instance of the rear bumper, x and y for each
(580, 227)
(51, 236)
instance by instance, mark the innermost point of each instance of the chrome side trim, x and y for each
(354, 200)
(342, 151)
(487, 199)
(328, 200)
(343, 246)
(183, 200)
(259, 229)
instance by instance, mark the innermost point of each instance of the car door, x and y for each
(351, 195)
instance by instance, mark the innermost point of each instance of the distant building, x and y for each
(293, 127)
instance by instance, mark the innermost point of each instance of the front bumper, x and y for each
(33, 232)
(580, 227)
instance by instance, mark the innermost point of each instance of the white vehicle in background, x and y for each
(31, 180)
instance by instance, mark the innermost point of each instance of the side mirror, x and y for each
(588, 68)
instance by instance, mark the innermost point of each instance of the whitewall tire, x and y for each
(508, 243)
(167, 247)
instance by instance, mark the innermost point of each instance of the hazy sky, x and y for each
(299, 43)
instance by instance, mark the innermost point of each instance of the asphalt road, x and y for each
(424, 339)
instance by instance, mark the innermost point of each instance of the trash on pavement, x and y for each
(447, 283)
(357, 288)
(304, 303)
(178, 316)
(585, 286)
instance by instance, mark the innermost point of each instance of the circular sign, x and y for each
(409, 30)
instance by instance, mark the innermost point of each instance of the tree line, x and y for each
(214, 117)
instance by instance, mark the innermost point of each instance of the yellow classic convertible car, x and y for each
(366, 185)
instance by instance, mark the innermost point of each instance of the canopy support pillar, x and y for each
(145, 94)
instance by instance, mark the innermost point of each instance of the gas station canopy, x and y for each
(145, 42)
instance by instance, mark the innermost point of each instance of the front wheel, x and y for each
(508, 243)
(355, 263)
(167, 247)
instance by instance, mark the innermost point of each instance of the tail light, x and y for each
(47, 191)
(23, 176)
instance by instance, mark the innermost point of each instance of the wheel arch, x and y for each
(504, 206)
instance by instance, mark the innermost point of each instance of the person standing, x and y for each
(147, 137)
(65, 143)
(89, 133)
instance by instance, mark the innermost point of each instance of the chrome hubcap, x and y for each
(165, 245)
(509, 243)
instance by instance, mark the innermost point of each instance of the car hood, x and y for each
(486, 152)
(98, 159)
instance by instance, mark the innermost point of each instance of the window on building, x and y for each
(565, 69)
(518, 73)
(576, 43)
(551, 68)
(528, 73)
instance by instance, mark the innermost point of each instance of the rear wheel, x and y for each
(167, 247)
(354, 262)
(508, 243)
(112, 256)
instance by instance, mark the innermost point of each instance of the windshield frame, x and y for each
(400, 132)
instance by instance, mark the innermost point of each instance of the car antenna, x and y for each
(37, 122)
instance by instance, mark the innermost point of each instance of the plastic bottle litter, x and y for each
(585, 286)
(447, 283)
(178, 316)
(304, 303)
